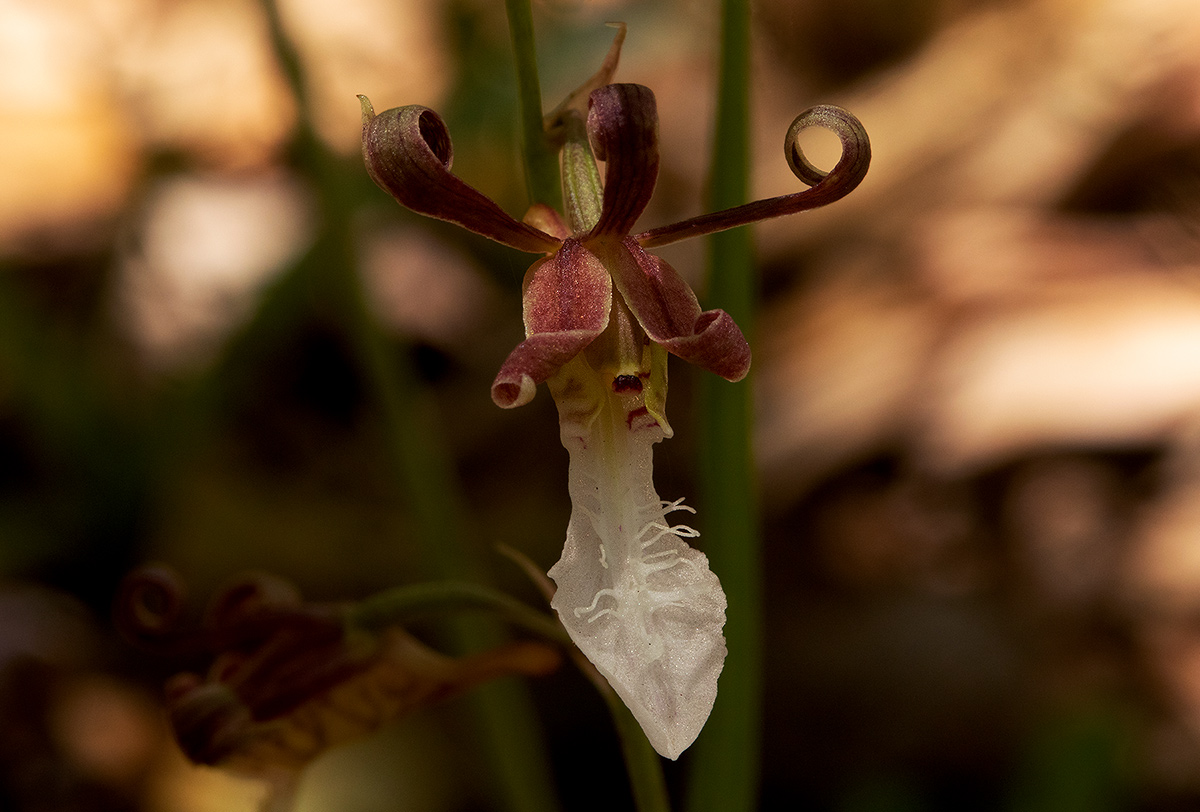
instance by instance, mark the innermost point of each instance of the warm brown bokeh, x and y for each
(978, 379)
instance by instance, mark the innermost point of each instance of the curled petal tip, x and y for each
(408, 153)
(368, 109)
(851, 168)
(510, 394)
(824, 187)
(717, 344)
(738, 366)
(534, 360)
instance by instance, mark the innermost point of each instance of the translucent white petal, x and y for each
(637, 600)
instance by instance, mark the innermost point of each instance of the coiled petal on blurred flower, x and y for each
(288, 680)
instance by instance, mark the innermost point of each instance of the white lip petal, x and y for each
(639, 602)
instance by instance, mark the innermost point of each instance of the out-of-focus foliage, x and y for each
(979, 383)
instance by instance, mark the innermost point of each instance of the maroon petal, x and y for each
(668, 311)
(622, 126)
(567, 299)
(826, 187)
(408, 152)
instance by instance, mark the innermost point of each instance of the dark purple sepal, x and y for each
(622, 126)
(408, 153)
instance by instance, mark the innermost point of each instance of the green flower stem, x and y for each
(641, 762)
(402, 604)
(725, 759)
(541, 162)
(328, 278)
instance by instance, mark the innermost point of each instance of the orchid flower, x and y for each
(601, 314)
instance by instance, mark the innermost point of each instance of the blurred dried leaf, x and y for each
(290, 680)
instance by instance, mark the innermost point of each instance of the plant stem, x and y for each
(404, 603)
(641, 762)
(541, 161)
(725, 759)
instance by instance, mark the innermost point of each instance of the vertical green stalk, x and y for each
(641, 762)
(504, 713)
(725, 758)
(541, 161)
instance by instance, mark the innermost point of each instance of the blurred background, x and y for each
(978, 382)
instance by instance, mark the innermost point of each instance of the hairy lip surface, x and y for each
(639, 602)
